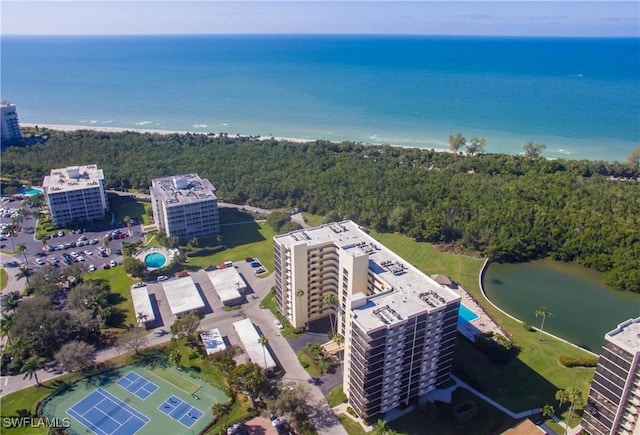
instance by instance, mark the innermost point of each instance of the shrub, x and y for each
(569, 361)
(527, 327)
(351, 411)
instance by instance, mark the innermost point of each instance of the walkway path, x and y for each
(12, 265)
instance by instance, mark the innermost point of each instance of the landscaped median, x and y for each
(269, 302)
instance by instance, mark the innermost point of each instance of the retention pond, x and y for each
(583, 308)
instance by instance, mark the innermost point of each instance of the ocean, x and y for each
(579, 96)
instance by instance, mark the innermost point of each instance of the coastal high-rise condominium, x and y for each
(399, 325)
(613, 406)
(10, 126)
(76, 193)
(185, 206)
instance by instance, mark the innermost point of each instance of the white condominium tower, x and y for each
(185, 206)
(399, 325)
(76, 193)
(10, 126)
(613, 406)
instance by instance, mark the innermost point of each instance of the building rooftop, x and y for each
(408, 290)
(627, 335)
(72, 178)
(142, 303)
(213, 342)
(182, 189)
(182, 295)
(228, 283)
(249, 337)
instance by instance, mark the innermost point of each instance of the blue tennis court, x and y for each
(138, 385)
(180, 411)
(105, 414)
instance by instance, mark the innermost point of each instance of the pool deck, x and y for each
(480, 325)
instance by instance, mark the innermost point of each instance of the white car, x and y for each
(40, 262)
(278, 324)
(162, 278)
(92, 268)
(88, 252)
(113, 263)
(74, 254)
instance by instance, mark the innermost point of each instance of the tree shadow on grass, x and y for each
(151, 358)
(244, 234)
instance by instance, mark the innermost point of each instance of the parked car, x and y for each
(106, 266)
(92, 268)
(162, 278)
(139, 284)
(260, 270)
(113, 263)
(278, 324)
(40, 261)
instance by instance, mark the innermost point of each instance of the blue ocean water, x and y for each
(581, 97)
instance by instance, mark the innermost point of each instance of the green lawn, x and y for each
(531, 379)
(254, 239)
(336, 396)
(304, 360)
(121, 288)
(123, 206)
(269, 302)
(4, 279)
(351, 426)
(313, 220)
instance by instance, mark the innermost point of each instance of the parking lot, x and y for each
(66, 247)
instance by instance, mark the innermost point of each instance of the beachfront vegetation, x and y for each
(509, 208)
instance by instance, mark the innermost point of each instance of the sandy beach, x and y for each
(64, 127)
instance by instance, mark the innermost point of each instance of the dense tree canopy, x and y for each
(510, 208)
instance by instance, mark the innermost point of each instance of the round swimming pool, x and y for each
(155, 259)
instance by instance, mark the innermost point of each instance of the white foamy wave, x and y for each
(93, 121)
(143, 122)
(108, 121)
(199, 125)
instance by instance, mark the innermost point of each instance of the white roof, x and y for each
(249, 337)
(627, 336)
(213, 341)
(182, 295)
(228, 283)
(142, 303)
(73, 178)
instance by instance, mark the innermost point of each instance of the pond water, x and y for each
(583, 308)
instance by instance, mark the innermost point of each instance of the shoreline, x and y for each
(69, 127)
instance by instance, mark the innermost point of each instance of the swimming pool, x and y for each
(465, 315)
(155, 260)
(30, 192)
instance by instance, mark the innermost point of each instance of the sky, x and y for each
(501, 18)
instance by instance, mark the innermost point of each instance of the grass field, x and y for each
(123, 206)
(350, 426)
(529, 380)
(121, 290)
(4, 279)
(336, 396)
(174, 378)
(254, 239)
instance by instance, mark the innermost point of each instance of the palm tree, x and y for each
(331, 300)
(5, 326)
(10, 301)
(31, 366)
(574, 395)
(22, 249)
(339, 340)
(141, 317)
(562, 396)
(547, 410)
(25, 272)
(264, 341)
(127, 222)
(105, 242)
(542, 312)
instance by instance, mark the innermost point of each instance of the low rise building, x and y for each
(613, 405)
(76, 193)
(185, 206)
(142, 305)
(250, 339)
(228, 284)
(183, 296)
(399, 325)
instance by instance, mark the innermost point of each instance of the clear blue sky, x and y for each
(513, 18)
